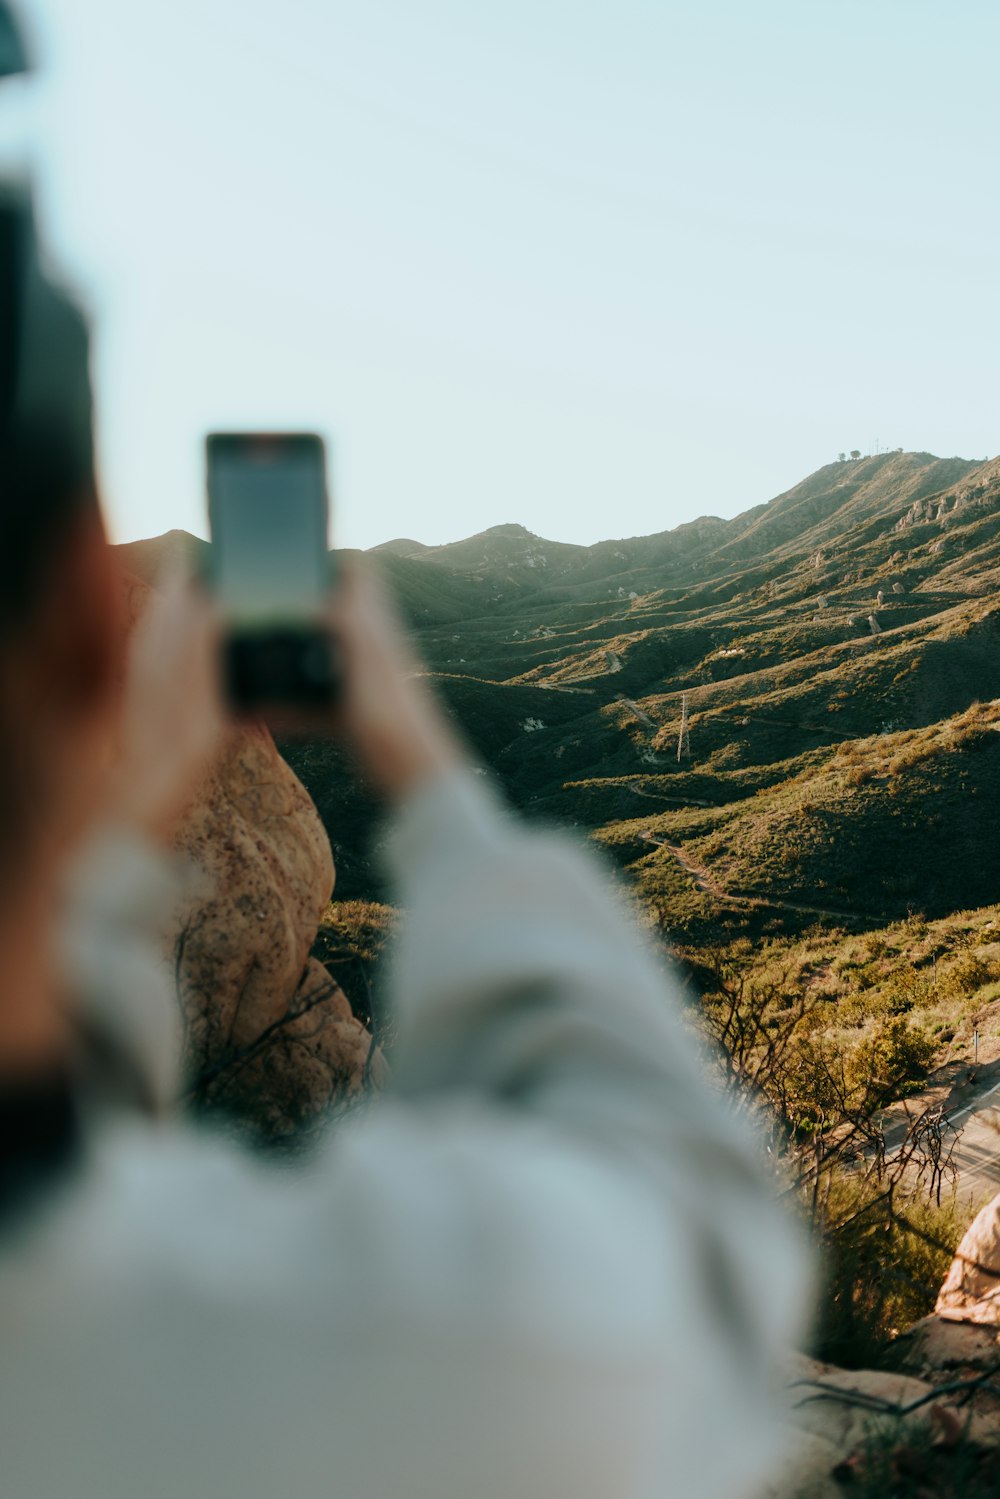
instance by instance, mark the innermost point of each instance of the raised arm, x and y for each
(542, 1051)
(545, 1263)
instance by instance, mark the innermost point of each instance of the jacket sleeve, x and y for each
(117, 900)
(524, 991)
(546, 1262)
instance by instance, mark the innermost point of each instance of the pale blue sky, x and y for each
(598, 267)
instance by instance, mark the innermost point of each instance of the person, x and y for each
(544, 1262)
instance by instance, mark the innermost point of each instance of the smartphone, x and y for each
(270, 573)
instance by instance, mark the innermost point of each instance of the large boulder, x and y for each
(935, 1423)
(860, 1427)
(837, 1405)
(269, 1036)
(939, 1348)
(971, 1289)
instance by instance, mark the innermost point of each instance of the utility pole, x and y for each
(684, 737)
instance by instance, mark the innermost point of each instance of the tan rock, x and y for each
(938, 1346)
(825, 1404)
(254, 833)
(268, 1034)
(318, 1060)
(971, 1289)
(835, 1415)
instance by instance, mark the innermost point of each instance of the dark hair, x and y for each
(46, 457)
(46, 442)
(13, 53)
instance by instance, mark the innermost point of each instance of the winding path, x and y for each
(674, 801)
(709, 886)
(977, 1150)
(640, 713)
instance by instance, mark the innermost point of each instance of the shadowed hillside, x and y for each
(784, 730)
(829, 643)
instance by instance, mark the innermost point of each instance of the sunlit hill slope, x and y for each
(831, 644)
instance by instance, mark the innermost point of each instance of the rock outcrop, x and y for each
(269, 1036)
(850, 1427)
(971, 1289)
(937, 1421)
(961, 1340)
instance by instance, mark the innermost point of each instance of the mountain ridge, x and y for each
(863, 601)
(945, 473)
(783, 730)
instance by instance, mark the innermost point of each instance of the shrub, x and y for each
(351, 937)
(905, 991)
(969, 972)
(909, 1459)
(884, 1257)
(895, 1056)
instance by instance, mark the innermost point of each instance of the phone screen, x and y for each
(269, 518)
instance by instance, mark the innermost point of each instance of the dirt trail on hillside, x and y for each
(675, 801)
(709, 886)
(640, 713)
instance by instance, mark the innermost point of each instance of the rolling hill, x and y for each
(819, 848)
(818, 639)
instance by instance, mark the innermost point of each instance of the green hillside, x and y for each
(830, 644)
(817, 847)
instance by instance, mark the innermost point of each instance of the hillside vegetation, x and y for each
(839, 651)
(818, 848)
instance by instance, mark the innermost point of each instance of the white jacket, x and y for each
(545, 1263)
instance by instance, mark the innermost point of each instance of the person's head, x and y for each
(60, 635)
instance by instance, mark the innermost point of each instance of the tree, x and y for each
(878, 1193)
(855, 453)
(841, 457)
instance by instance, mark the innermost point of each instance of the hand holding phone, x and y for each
(171, 724)
(269, 517)
(286, 633)
(389, 715)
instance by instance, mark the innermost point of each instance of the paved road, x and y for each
(977, 1151)
(972, 1134)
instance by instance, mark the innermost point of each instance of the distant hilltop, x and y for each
(827, 506)
(871, 483)
(826, 509)
(832, 646)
